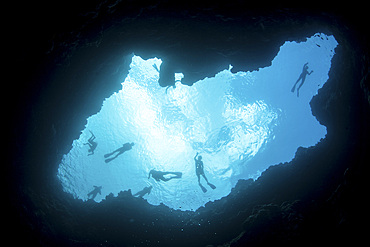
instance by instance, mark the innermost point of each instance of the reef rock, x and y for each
(73, 56)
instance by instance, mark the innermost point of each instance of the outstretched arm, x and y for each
(310, 72)
(150, 174)
(195, 157)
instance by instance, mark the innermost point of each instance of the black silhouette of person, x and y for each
(158, 175)
(173, 86)
(199, 170)
(125, 147)
(93, 193)
(302, 77)
(144, 191)
(156, 68)
(92, 144)
(167, 75)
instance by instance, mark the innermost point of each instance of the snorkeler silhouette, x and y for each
(146, 190)
(302, 77)
(95, 192)
(173, 86)
(156, 68)
(91, 144)
(158, 176)
(199, 170)
(125, 147)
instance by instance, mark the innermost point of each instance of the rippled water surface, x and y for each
(240, 123)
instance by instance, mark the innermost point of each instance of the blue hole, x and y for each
(239, 123)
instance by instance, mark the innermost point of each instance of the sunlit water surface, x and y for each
(240, 123)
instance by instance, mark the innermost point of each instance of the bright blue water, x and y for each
(241, 123)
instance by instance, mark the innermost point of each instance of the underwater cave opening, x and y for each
(239, 123)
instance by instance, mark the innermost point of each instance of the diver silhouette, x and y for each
(144, 191)
(91, 144)
(95, 192)
(158, 175)
(302, 77)
(199, 170)
(125, 147)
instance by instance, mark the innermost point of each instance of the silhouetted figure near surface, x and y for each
(302, 77)
(95, 192)
(145, 191)
(156, 68)
(125, 147)
(158, 176)
(173, 86)
(199, 170)
(91, 144)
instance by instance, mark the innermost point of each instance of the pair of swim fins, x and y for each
(204, 189)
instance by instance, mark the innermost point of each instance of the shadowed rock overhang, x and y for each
(77, 63)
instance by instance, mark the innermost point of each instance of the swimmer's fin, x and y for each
(212, 186)
(178, 174)
(109, 160)
(203, 189)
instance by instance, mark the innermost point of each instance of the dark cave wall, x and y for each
(84, 61)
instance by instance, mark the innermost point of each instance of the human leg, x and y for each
(295, 84)
(200, 185)
(209, 184)
(300, 85)
(119, 152)
(110, 154)
(198, 175)
(204, 176)
(165, 179)
(177, 174)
